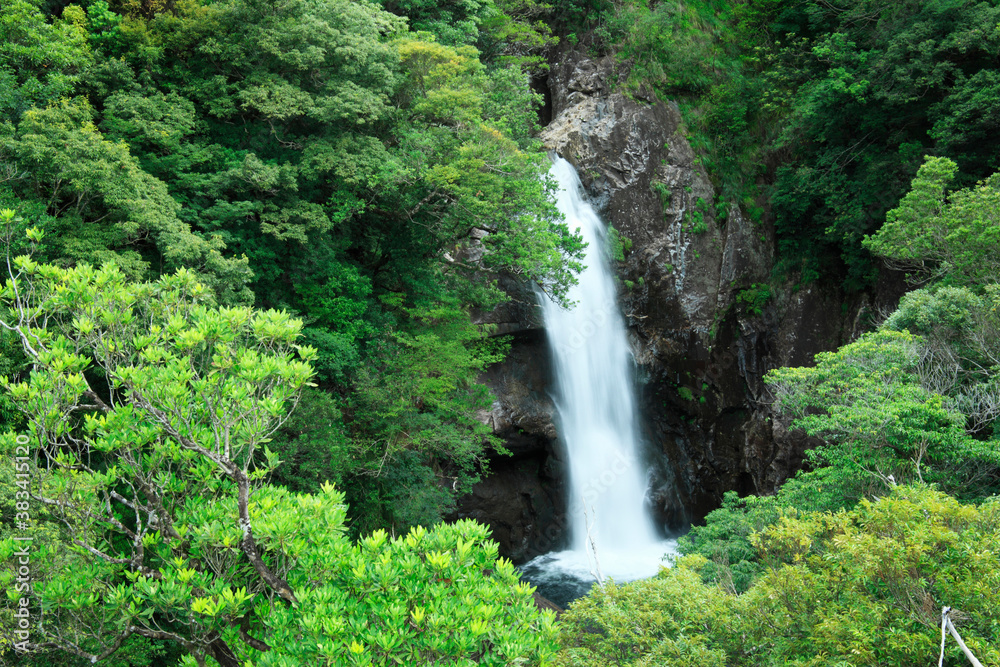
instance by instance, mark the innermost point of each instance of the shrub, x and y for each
(864, 586)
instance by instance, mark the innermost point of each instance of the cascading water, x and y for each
(612, 533)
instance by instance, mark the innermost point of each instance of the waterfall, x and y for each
(611, 529)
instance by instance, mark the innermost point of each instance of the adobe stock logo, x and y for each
(22, 555)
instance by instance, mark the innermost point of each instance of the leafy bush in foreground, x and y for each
(141, 483)
(858, 587)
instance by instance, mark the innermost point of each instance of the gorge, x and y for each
(701, 352)
(301, 364)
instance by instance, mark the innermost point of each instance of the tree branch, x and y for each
(249, 545)
(244, 626)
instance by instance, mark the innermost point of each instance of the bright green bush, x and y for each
(755, 298)
(732, 562)
(618, 244)
(436, 597)
(858, 587)
(142, 485)
(630, 624)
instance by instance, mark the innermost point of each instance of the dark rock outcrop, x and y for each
(522, 498)
(522, 501)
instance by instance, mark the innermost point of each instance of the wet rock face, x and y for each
(703, 331)
(700, 356)
(522, 413)
(519, 313)
(522, 498)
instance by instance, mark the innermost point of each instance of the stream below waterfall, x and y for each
(612, 533)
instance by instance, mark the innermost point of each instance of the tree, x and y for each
(40, 62)
(107, 207)
(950, 239)
(820, 113)
(183, 389)
(149, 412)
(867, 402)
(940, 235)
(960, 335)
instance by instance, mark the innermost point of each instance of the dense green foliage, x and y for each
(942, 235)
(148, 414)
(357, 173)
(867, 402)
(861, 587)
(873, 88)
(326, 158)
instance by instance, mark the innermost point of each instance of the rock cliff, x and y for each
(705, 327)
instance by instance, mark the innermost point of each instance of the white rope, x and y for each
(596, 569)
(944, 634)
(946, 623)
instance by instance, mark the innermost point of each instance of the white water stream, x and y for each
(611, 530)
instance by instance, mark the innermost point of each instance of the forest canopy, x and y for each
(255, 235)
(330, 159)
